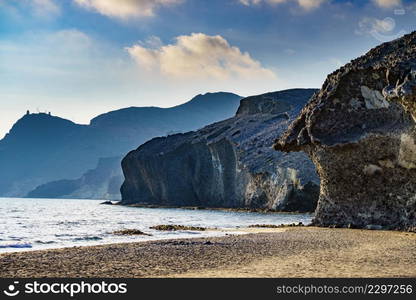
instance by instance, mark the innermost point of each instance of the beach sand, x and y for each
(287, 252)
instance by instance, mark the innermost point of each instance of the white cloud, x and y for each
(121, 9)
(126, 8)
(387, 3)
(249, 2)
(371, 25)
(310, 4)
(199, 56)
(305, 4)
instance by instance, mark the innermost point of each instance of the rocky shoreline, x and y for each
(266, 252)
(237, 209)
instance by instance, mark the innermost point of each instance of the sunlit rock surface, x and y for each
(359, 131)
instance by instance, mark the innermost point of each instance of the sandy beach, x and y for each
(281, 252)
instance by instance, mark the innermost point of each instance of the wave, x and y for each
(69, 223)
(44, 242)
(87, 238)
(63, 235)
(15, 245)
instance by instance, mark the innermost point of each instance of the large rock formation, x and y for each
(359, 131)
(227, 164)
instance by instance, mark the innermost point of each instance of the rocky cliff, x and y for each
(359, 131)
(227, 164)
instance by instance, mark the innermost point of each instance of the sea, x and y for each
(35, 224)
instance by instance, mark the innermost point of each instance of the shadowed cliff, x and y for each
(227, 164)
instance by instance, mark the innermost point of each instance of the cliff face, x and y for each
(103, 182)
(226, 164)
(359, 131)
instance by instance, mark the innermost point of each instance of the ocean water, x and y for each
(33, 224)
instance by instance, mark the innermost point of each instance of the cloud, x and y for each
(387, 3)
(372, 25)
(310, 4)
(39, 8)
(304, 4)
(250, 2)
(126, 8)
(369, 25)
(381, 29)
(121, 9)
(199, 56)
(45, 7)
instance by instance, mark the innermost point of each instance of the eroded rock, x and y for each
(359, 130)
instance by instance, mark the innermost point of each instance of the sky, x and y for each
(80, 58)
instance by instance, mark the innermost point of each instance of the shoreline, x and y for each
(226, 231)
(225, 209)
(262, 252)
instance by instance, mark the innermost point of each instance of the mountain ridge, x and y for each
(41, 147)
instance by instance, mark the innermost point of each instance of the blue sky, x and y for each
(80, 58)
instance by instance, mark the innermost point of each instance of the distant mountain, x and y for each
(41, 148)
(103, 182)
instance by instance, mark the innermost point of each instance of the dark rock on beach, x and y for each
(359, 130)
(107, 203)
(300, 224)
(129, 232)
(177, 227)
(228, 164)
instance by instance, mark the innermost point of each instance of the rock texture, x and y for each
(227, 164)
(359, 131)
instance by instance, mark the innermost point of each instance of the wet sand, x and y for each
(281, 252)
